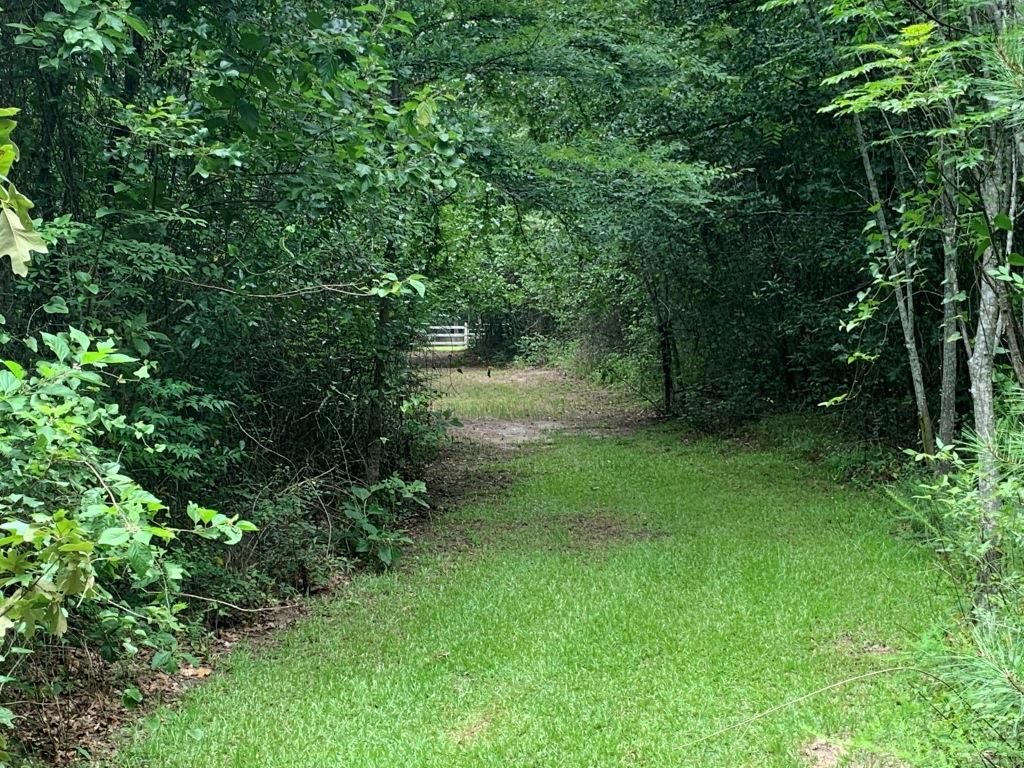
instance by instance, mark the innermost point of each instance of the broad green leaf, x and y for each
(137, 24)
(10, 382)
(57, 345)
(424, 114)
(15, 368)
(18, 241)
(113, 537)
(8, 154)
(56, 306)
(78, 546)
(251, 41)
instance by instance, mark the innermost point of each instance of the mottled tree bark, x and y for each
(950, 316)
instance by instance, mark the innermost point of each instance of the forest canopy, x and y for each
(228, 225)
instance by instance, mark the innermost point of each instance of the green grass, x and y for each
(625, 597)
(514, 393)
(446, 348)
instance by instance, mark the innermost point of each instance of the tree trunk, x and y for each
(903, 289)
(1008, 317)
(375, 421)
(981, 366)
(982, 393)
(950, 317)
(378, 376)
(666, 343)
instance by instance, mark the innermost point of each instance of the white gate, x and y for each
(457, 336)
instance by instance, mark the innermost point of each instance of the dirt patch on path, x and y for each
(504, 411)
(506, 434)
(512, 407)
(833, 753)
(821, 753)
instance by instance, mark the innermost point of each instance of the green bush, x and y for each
(978, 662)
(374, 513)
(84, 546)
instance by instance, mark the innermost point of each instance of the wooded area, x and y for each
(231, 225)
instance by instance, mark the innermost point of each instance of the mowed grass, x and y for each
(625, 598)
(513, 393)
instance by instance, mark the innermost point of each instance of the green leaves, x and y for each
(9, 384)
(390, 285)
(373, 513)
(74, 523)
(132, 698)
(56, 306)
(8, 149)
(15, 368)
(114, 537)
(416, 283)
(18, 238)
(917, 34)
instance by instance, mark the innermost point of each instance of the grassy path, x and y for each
(626, 595)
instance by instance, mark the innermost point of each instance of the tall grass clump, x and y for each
(977, 662)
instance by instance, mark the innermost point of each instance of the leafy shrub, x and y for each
(374, 512)
(632, 367)
(84, 546)
(189, 423)
(297, 550)
(424, 429)
(539, 350)
(979, 662)
(980, 669)
(309, 532)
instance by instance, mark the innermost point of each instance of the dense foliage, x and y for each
(664, 194)
(248, 212)
(236, 205)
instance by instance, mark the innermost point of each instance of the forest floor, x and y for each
(597, 590)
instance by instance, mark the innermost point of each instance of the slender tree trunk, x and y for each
(981, 366)
(902, 288)
(996, 185)
(666, 346)
(950, 353)
(950, 316)
(1009, 319)
(375, 422)
(982, 393)
(1013, 335)
(378, 375)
